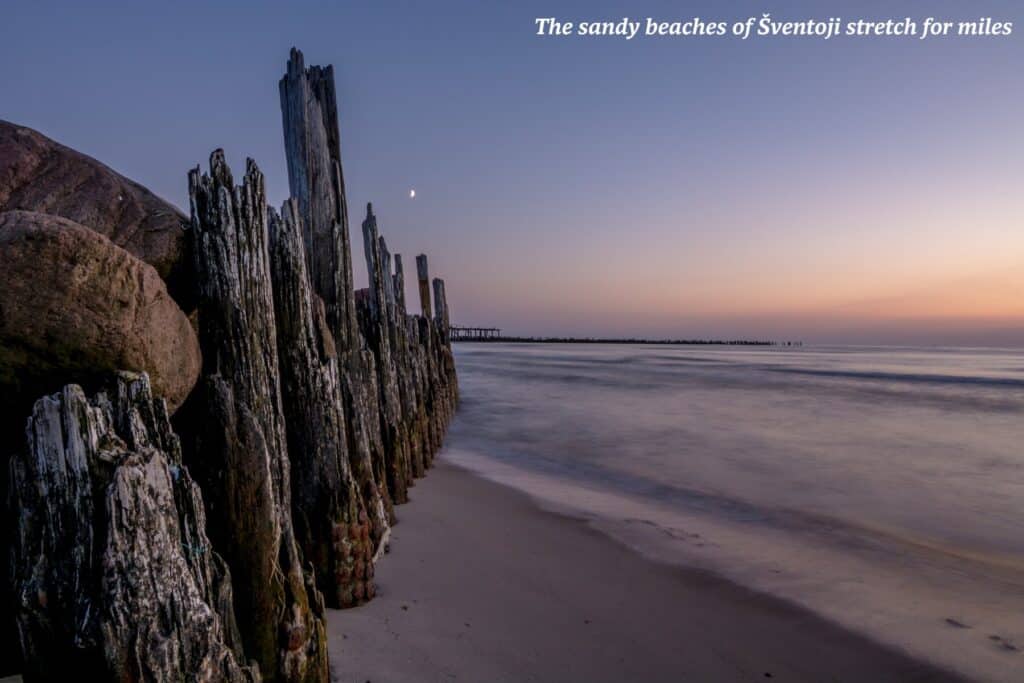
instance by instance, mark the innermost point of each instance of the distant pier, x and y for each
(476, 333)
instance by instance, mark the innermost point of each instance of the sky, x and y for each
(864, 190)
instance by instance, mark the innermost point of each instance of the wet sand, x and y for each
(482, 585)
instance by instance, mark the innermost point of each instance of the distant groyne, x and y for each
(493, 334)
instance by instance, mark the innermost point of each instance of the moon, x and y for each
(412, 194)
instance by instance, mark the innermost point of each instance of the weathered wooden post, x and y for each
(441, 306)
(242, 455)
(447, 382)
(411, 376)
(312, 144)
(381, 380)
(399, 286)
(423, 274)
(378, 335)
(331, 524)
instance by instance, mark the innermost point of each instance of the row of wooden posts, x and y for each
(206, 547)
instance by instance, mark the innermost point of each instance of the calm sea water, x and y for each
(882, 487)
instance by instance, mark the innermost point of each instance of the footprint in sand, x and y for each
(1003, 644)
(997, 640)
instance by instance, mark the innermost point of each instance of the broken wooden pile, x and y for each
(209, 551)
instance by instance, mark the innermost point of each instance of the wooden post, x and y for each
(313, 152)
(242, 459)
(441, 303)
(423, 273)
(399, 285)
(331, 523)
(378, 331)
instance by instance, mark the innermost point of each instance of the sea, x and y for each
(880, 487)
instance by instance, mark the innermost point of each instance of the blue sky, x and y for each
(851, 190)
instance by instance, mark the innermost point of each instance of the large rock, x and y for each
(38, 174)
(75, 307)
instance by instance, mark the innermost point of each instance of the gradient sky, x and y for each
(867, 190)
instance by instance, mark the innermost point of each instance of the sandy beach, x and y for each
(483, 585)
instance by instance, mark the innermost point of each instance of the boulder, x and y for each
(38, 174)
(74, 307)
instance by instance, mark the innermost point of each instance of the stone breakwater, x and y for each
(206, 544)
